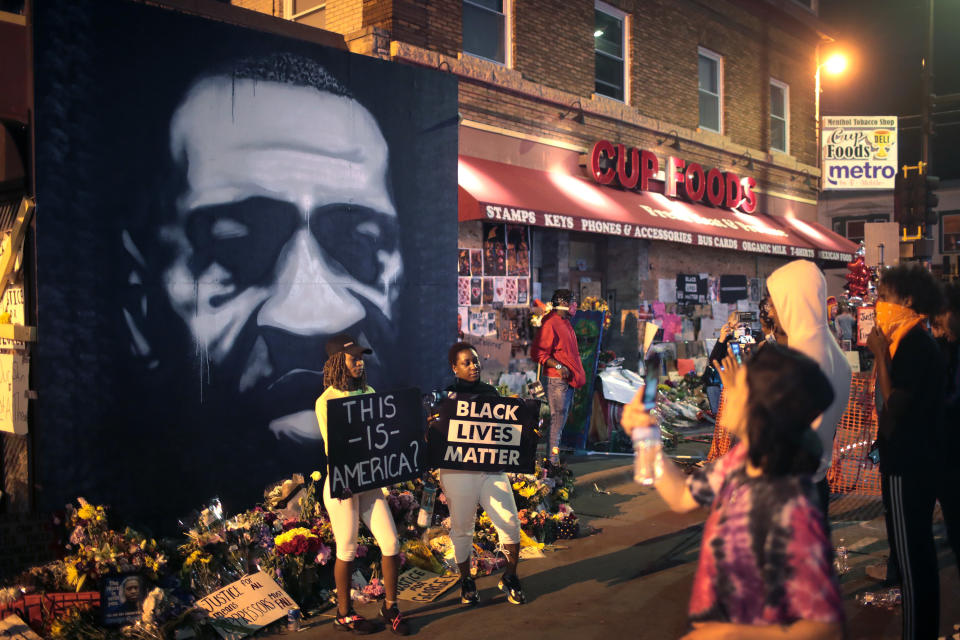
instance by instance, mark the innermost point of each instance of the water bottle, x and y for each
(647, 459)
(842, 560)
(425, 517)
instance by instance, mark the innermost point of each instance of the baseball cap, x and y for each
(345, 342)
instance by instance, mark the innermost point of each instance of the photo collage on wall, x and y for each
(495, 276)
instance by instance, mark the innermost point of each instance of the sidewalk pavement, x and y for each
(633, 575)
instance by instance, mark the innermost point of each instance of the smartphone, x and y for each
(737, 351)
(650, 382)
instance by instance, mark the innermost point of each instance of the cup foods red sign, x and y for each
(632, 168)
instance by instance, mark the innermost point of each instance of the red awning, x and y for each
(829, 244)
(500, 192)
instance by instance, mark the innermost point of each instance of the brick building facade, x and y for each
(538, 106)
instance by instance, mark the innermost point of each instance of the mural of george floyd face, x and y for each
(278, 193)
(285, 235)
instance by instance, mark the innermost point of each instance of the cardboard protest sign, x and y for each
(485, 433)
(375, 440)
(866, 318)
(13, 628)
(14, 377)
(419, 585)
(249, 604)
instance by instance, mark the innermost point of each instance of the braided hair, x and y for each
(336, 374)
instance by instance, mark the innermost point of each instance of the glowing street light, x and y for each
(835, 64)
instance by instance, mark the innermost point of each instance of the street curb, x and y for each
(613, 476)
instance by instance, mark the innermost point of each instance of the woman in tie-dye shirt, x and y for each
(765, 567)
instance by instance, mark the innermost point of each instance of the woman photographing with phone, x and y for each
(765, 567)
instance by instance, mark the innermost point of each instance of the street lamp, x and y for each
(835, 64)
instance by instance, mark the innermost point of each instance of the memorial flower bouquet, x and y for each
(219, 551)
(95, 550)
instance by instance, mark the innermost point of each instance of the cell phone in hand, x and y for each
(737, 351)
(650, 382)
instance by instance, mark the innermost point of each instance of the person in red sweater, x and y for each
(555, 347)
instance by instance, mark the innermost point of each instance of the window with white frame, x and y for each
(710, 70)
(610, 51)
(309, 12)
(779, 116)
(485, 29)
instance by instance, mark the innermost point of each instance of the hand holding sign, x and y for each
(375, 440)
(485, 433)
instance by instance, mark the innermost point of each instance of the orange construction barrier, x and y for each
(855, 433)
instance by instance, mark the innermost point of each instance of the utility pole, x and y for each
(926, 98)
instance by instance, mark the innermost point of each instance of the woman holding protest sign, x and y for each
(344, 375)
(465, 489)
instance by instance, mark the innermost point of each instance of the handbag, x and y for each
(535, 389)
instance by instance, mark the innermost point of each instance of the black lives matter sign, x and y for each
(375, 440)
(485, 433)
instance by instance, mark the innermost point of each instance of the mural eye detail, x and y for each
(228, 229)
(370, 229)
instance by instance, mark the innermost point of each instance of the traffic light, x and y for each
(915, 198)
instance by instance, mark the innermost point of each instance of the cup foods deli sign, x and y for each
(859, 152)
(632, 169)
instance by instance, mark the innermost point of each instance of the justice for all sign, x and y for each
(250, 603)
(485, 433)
(375, 440)
(859, 152)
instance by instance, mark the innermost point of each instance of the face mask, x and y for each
(890, 315)
(895, 321)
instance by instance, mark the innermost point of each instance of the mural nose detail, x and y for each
(308, 296)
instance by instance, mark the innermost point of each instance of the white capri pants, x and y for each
(345, 520)
(466, 489)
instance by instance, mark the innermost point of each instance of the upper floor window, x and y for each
(485, 29)
(609, 38)
(710, 69)
(311, 12)
(779, 116)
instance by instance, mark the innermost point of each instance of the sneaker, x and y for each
(468, 591)
(394, 620)
(354, 623)
(510, 585)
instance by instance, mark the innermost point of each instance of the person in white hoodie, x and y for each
(798, 296)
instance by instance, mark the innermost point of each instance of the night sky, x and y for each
(886, 39)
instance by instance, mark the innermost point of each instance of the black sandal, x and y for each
(354, 623)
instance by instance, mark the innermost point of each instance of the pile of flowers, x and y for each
(289, 535)
(95, 550)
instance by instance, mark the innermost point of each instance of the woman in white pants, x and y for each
(344, 375)
(493, 491)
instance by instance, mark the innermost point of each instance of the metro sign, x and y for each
(632, 169)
